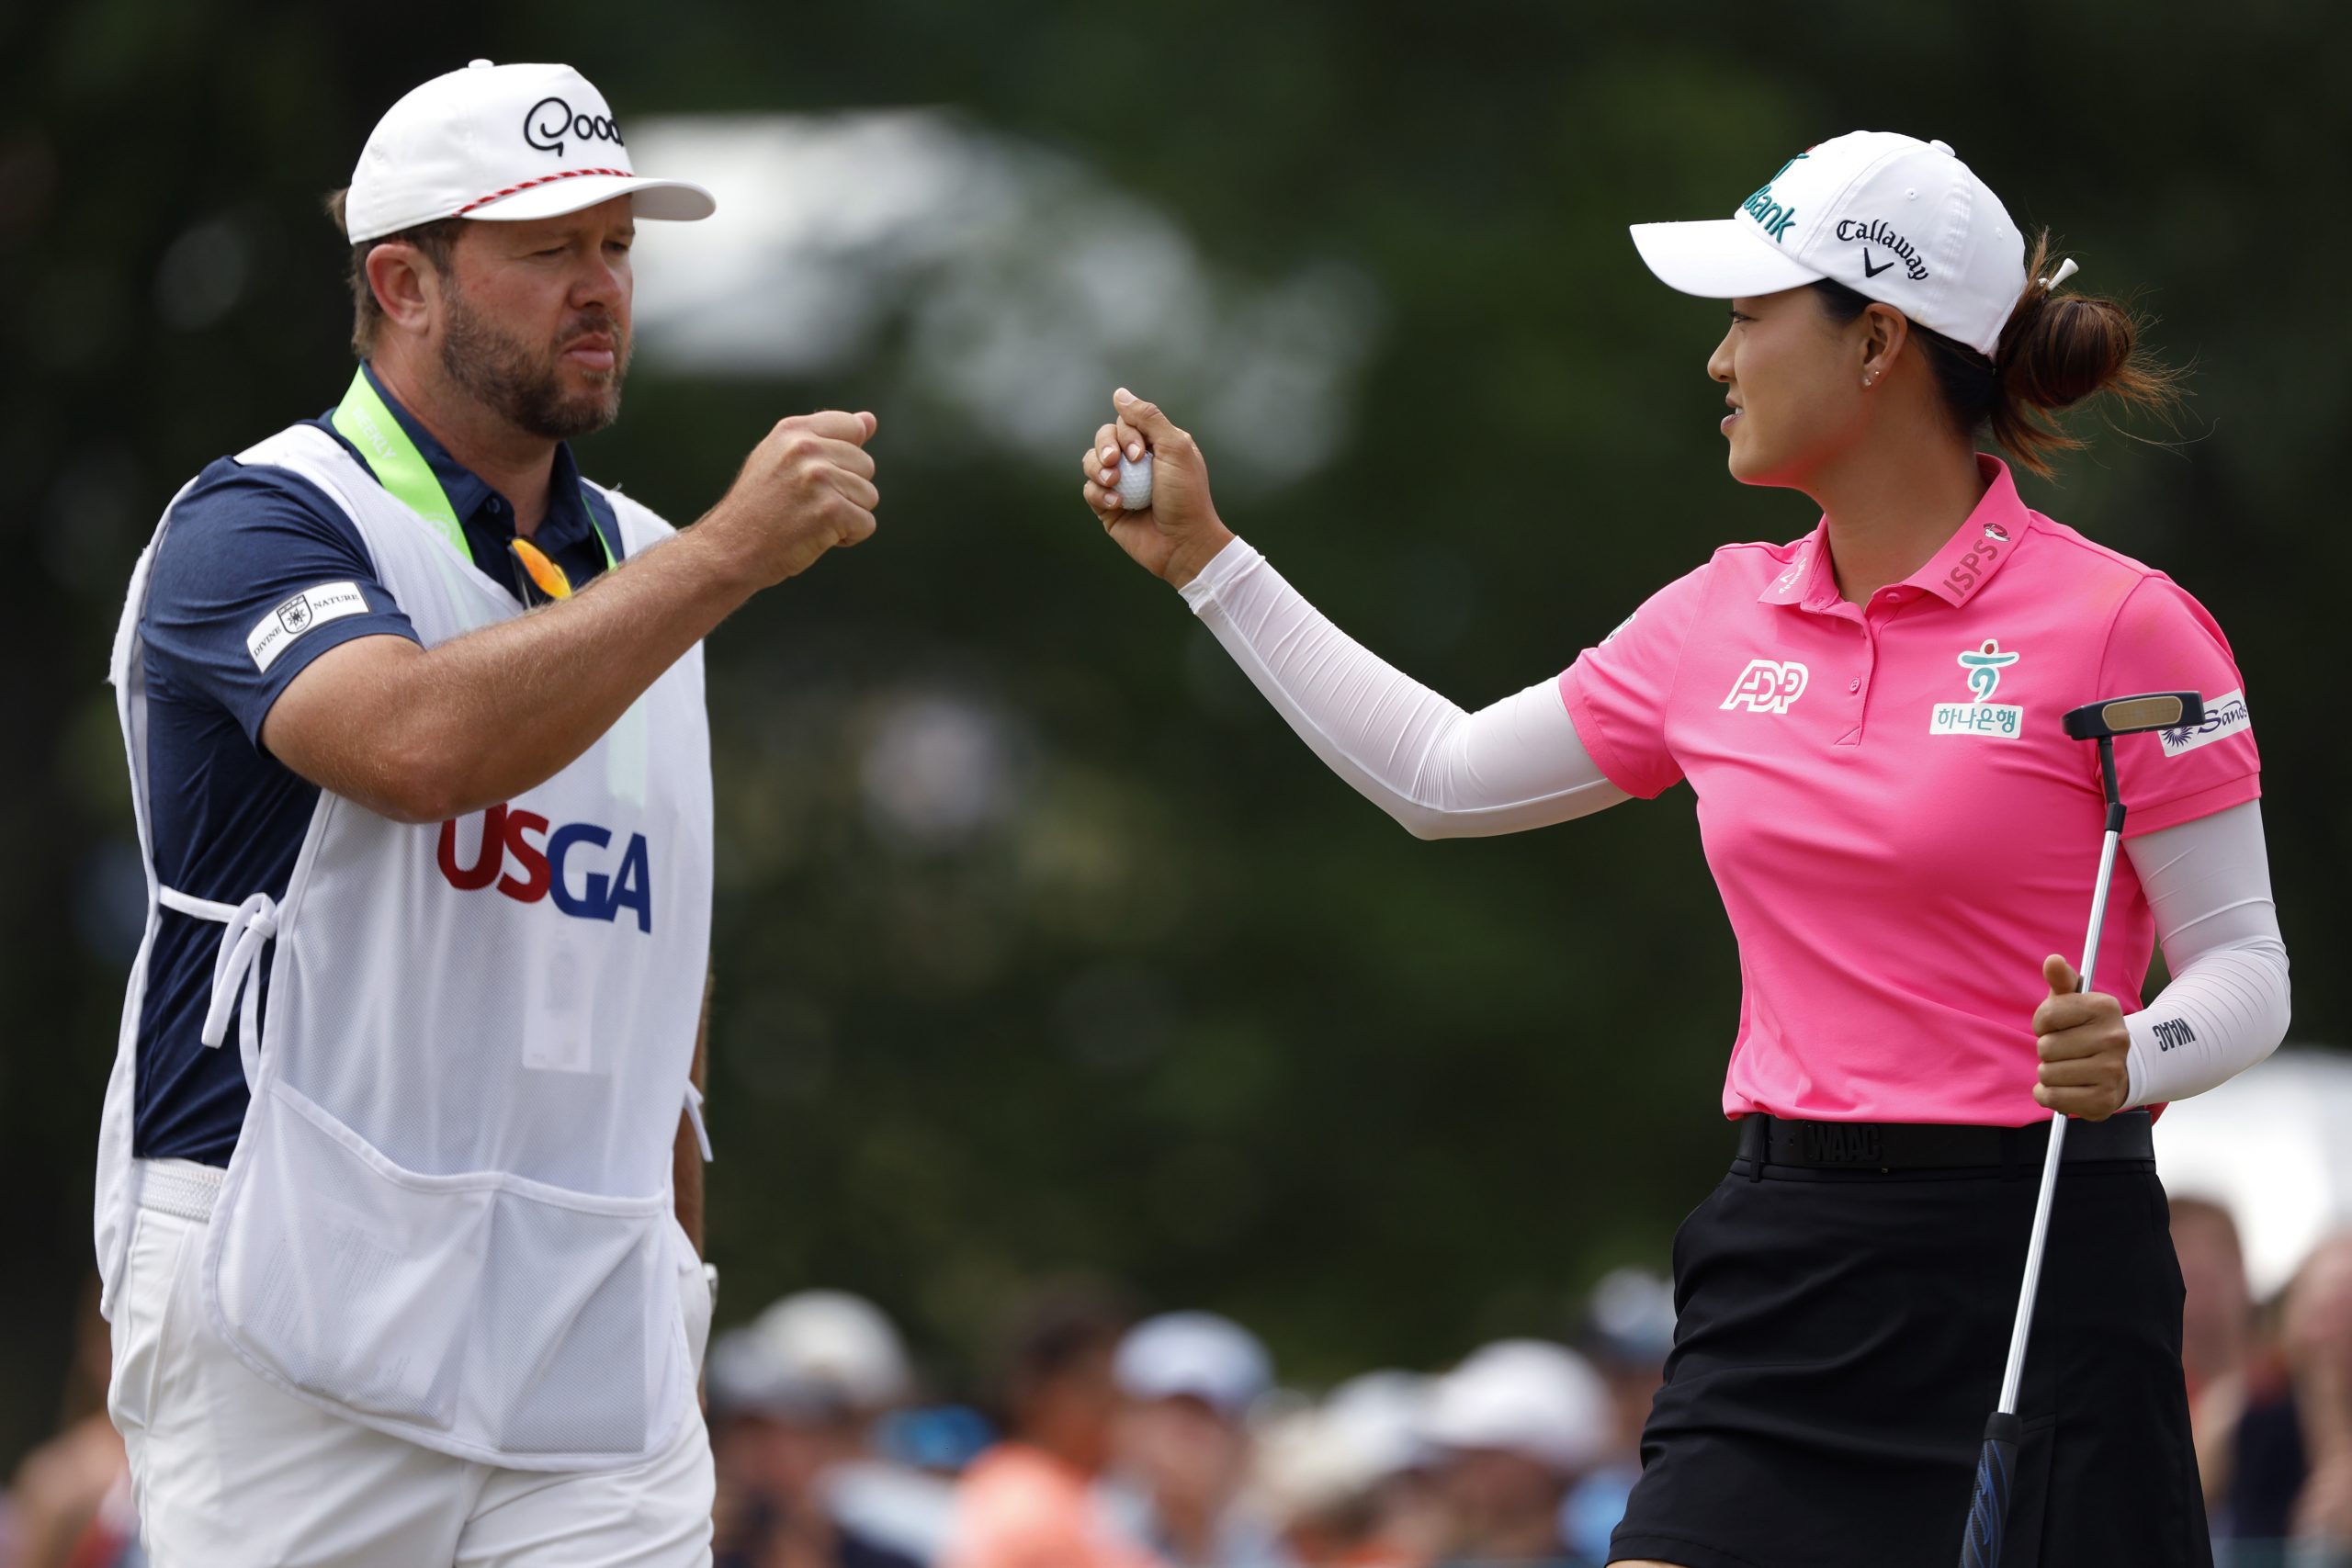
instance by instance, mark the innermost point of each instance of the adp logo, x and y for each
(553, 866)
(1768, 685)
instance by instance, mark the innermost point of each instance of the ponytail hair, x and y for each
(2057, 350)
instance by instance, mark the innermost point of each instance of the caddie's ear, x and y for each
(406, 285)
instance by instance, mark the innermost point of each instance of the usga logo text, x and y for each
(505, 854)
(1768, 685)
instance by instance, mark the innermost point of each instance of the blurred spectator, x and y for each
(69, 1506)
(1344, 1480)
(2249, 1449)
(1028, 1502)
(795, 1400)
(939, 1439)
(2317, 1335)
(1628, 1330)
(1518, 1424)
(1183, 1449)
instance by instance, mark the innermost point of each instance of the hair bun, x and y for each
(2067, 347)
(2060, 349)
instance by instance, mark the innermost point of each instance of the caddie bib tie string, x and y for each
(694, 1114)
(249, 928)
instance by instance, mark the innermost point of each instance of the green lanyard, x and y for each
(363, 420)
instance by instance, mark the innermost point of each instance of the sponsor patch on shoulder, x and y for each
(276, 632)
(2225, 716)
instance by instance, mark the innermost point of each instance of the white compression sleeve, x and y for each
(1440, 772)
(2208, 886)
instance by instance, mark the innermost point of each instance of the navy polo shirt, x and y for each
(227, 817)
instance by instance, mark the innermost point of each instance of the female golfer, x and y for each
(1906, 841)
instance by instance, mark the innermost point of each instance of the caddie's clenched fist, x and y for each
(807, 488)
(1179, 533)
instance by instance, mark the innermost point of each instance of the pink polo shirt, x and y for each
(1899, 827)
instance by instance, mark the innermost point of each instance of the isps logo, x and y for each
(1768, 685)
(527, 862)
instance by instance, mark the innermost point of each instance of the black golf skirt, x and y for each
(1839, 1344)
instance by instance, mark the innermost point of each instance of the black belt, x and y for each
(1918, 1146)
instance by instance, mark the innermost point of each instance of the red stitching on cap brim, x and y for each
(527, 184)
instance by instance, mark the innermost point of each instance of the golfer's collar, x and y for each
(1987, 537)
(1806, 579)
(1980, 545)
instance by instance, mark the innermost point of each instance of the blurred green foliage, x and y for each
(1189, 1014)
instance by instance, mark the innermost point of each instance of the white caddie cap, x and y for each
(1211, 1358)
(502, 143)
(1899, 219)
(1527, 1397)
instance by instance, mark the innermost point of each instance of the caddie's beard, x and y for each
(524, 384)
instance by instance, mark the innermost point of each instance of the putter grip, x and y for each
(1988, 1510)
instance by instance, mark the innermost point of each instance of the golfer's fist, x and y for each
(2085, 1051)
(805, 489)
(1179, 533)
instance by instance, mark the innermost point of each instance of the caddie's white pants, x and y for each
(231, 1472)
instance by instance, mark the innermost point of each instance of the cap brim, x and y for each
(676, 201)
(1718, 258)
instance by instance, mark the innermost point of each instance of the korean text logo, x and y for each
(1980, 715)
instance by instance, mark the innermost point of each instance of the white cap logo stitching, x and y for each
(552, 118)
(1775, 217)
(1876, 232)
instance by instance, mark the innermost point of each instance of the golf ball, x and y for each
(1135, 484)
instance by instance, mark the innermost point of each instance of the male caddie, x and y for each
(415, 717)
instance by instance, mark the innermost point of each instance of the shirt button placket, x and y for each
(1854, 686)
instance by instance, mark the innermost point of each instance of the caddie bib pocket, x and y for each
(511, 1318)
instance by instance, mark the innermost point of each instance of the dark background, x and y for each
(1178, 1008)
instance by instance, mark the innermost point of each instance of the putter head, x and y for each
(2132, 716)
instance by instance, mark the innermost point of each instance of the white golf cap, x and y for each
(834, 1350)
(1523, 1396)
(1901, 220)
(502, 143)
(1198, 1354)
(1378, 1418)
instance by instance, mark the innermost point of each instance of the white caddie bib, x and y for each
(449, 1213)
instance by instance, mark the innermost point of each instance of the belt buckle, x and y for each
(1843, 1142)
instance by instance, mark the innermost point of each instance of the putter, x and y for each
(1988, 1510)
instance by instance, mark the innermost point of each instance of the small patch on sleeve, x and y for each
(276, 632)
(2224, 715)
